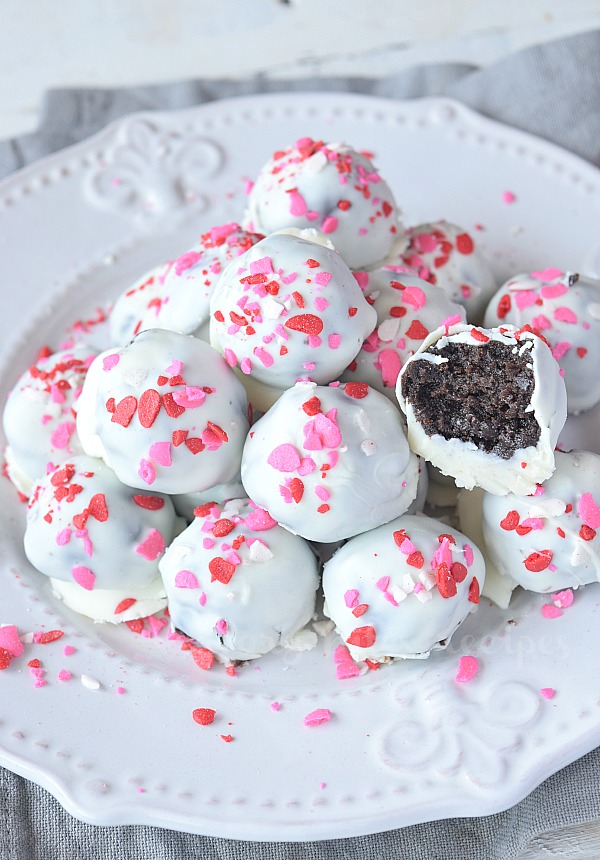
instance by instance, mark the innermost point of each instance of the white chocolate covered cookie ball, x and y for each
(176, 295)
(549, 540)
(238, 583)
(99, 540)
(39, 415)
(401, 590)
(328, 462)
(333, 188)
(289, 309)
(165, 412)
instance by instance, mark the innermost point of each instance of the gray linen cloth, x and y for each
(551, 90)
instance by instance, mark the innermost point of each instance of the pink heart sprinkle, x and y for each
(110, 361)
(318, 716)
(547, 692)
(9, 640)
(551, 611)
(563, 599)
(186, 579)
(152, 546)
(84, 577)
(284, 458)
(588, 511)
(468, 667)
(190, 397)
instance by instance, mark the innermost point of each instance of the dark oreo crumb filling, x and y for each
(478, 395)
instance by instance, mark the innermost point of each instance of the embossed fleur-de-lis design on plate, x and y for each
(153, 169)
(453, 731)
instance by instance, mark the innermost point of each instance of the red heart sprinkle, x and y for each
(222, 528)
(538, 561)
(97, 508)
(136, 625)
(179, 437)
(306, 323)
(510, 521)
(50, 636)
(464, 244)
(474, 591)
(358, 390)
(204, 510)
(458, 571)
(202, 657)
(124, 605)
(150, 503)
(362, 637)
(221, 570)
(79, 520)
(172, 409)
(417, 331)
(194, 445)
(5, 658)
(415, 559)
(203, 716)
(445, 581)
(124, 411)
(296, 489)
(504, 306)
(312, 406)
(149, 407)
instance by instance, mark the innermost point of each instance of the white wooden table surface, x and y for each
(44, 43)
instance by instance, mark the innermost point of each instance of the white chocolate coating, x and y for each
(447, 255)
(401, 590)
(498, 587)
(549, 541)
(86, 528)
(176, 296)
(289, 309)
(238, 583)
(565, 309)
(165, 412)
(330, 187)
(39, 416)
(328, 462)
(408, 309)
(100, 604)
(467, 464)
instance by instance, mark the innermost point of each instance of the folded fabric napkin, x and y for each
(551, 90)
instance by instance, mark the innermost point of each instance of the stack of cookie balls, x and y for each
(269, 399)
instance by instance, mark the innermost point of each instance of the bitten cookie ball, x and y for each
(408, 310)
(333, 188)
(238, 583)
(330, 462)
(401, 590)
(165, 412)
(485, 406)
(99, 540)
(565, 309)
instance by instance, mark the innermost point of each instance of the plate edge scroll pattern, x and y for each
(152, 169)
(453, 733)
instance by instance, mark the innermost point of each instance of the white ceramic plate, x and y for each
(406, 743)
